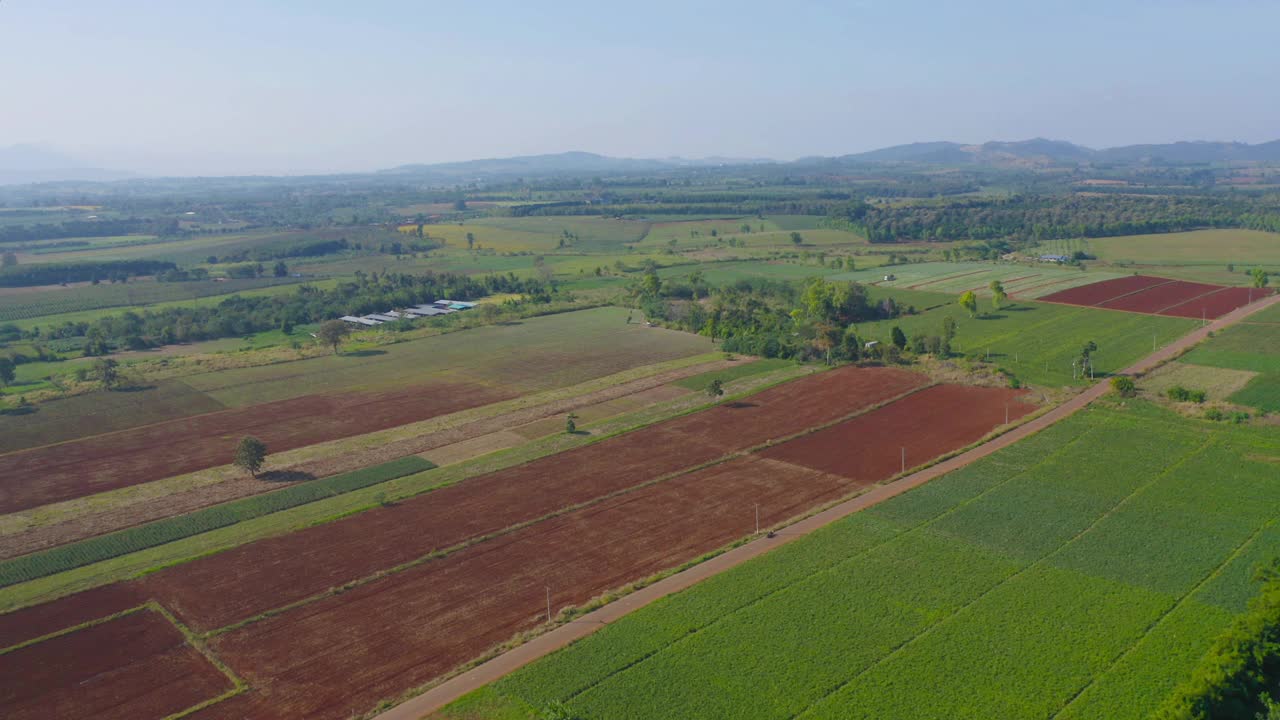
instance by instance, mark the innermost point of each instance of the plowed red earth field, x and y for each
(869, 447)
(341, 654)
(31, 478)
(1216, 304)
(1101, 292)
(216, 591)
(1160, 296)
(135, 666)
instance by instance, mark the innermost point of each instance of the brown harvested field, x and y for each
(54, 473)
(340, 655)
(1216, 304)
(216, 591)
(932, 422)
(134, 666)
(1100, 292)
(29, 623)
(1158, 297)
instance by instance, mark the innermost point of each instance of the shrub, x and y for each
(1213, 414)
(1123, 386)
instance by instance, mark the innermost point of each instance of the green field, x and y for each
(1248, 346)
(554, 351)
(1028, 281)
(31, 304)
(1036, 342)
(743, 369)
(1080, 573)
(1244, 248)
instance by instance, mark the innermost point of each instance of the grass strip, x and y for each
(105, 547)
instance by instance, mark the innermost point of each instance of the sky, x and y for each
(303, 86)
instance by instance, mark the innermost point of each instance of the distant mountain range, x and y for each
(1040, 152)
(20, 164)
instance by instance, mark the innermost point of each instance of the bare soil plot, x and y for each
(1100, 292)
(932, 422)
(135, 666)
(342, 654)
(1217, 303)
(31, 478)
(1158, 297)
(221, 589)
(29, 623)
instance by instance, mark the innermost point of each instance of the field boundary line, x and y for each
(238, 685)
(1038, 562)
(1186, 598)
(442, 553)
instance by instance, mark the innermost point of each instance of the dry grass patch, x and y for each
(1218, 383)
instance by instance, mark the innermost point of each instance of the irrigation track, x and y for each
(476, 678)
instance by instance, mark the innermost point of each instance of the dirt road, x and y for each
(482, 675)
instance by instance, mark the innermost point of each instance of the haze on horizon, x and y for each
(293, 87)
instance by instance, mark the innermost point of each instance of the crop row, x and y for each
(1048, 576)
(105, 547)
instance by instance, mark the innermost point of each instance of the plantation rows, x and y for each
(35, 304)
(105, 547)
(1082, 572)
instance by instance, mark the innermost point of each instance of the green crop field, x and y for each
(1036, 342)
(38, 303)
(541, 234)
(1248, 346)
(728, 272)
(745, 369)
(1244, 248)
(1080, 573)
(1030, 281)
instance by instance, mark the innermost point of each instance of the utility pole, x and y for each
(757, 518)
(1006, 413)
(904, 459)
(548, 604)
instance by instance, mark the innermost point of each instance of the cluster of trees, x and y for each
(73, 229)
(56, 273)
(1049, 217)
(240, 315)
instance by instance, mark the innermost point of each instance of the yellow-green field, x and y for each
(1244, 248)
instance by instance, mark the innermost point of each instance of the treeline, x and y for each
(240, 315)
(1237, 678)
(768, 318)
(1034, 218)
(73, 229)
(57, 273)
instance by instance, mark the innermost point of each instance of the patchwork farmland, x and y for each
(1105, 553)
(486, 546)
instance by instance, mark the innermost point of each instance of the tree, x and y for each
(471, 241)
(251, 453)
(715, 388)
(899, 338)
(1260, 278)
(570, 424)
(1086, 358)
(8, 260)
(1123, 386)
(797, 239)
(969, 302)
(6, 371)
(333, 332)
(108, 372)
(280, 270)
(949, 328)
(998, 295)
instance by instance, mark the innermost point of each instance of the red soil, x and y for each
(932, 422)
(136, 666)
(1216, 304)
(36, 621)
(1100, 292)
(340, 655)
(1159, 297)
(221, 589)
(31, 478)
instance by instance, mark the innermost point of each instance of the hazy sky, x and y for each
(295, 86)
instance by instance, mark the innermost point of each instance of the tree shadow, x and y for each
(364, 353)
(24, 410)
(991, 316)
(1017, 308)
(133, 388)
(283, 476)
(740, 405)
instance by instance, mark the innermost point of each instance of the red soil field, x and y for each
(1101, 292)
(341, 655)
(36, 621)
(31, 478)
(221, 589)
(932, 422)
(1216, 304)
(1159, 297)
(136, 666)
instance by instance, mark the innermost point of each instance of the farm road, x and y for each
(454, 688)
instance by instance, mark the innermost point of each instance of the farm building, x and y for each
(381, 317)
(1054, 258)
(439, 307)
(426, 311)
(358, 320)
